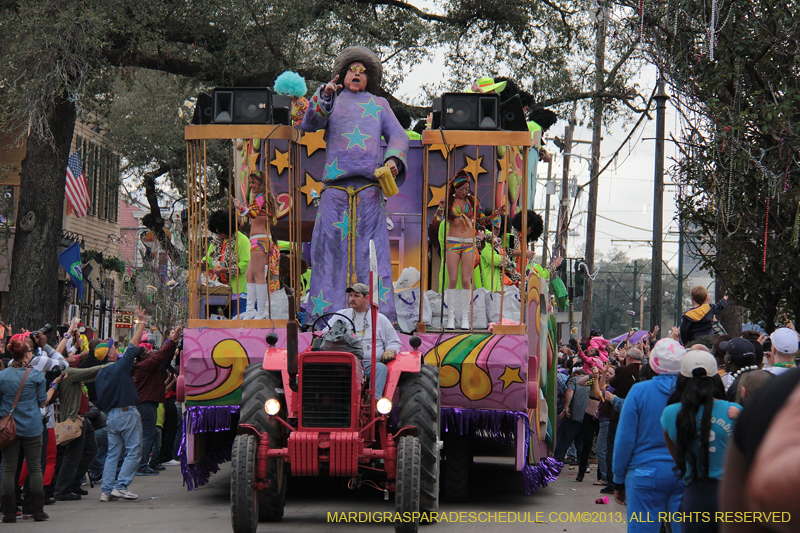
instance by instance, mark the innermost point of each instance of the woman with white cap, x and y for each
(643, 466)
(697, 428)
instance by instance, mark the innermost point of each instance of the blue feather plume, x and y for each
(290, 84)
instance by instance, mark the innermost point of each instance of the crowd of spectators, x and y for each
(85, 415)
(669, 419)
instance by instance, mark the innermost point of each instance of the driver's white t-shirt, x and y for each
(385, 335)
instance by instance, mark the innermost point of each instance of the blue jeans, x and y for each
(149, 414)
(602, 448)
(652, 489)
(124, 429)
(380, 374)
(96, 470)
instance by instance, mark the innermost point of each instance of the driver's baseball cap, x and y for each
(360, 288)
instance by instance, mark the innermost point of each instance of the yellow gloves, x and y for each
(387, 356)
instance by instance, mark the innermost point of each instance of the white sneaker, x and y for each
(172, 462)
(108, 497)
(124, 494)
(247, 315)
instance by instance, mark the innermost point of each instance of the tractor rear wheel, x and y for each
(244, 496)
(420, 407)
(457, 460)
(258, 387)
(407, 492)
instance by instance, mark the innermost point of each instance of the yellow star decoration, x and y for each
(253, 162)
(437, 193)
(510, 375)
(311, 185)
(474, 167)
(441, 148)
(281, 161)
(313, 141)
(504, 166)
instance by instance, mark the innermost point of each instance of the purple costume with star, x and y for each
(352, 208)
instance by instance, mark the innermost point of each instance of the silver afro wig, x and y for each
(359, 54)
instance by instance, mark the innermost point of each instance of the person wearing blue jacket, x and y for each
(643, 466)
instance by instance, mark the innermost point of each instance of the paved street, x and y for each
(164, 506)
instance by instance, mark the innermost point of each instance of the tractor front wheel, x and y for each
(407, 494)
(420, 407)
(244, 496)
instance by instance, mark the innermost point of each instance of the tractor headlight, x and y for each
(384, 406)
(272, 406)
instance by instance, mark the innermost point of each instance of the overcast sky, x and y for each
(625, 197)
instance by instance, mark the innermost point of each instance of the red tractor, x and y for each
(315, 413)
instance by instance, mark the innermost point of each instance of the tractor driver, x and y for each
(387, 341)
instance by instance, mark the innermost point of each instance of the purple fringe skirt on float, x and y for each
(484, 425)
(501, 427)
(205, 419)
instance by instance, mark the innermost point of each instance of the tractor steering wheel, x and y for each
(324, 318)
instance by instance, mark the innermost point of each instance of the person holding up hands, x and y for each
(351, 210)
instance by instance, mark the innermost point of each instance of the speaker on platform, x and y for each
(242, 105)
(470, 111)
(282, 109)
(512, 117)
(203, 109)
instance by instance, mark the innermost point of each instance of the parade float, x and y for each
(497, 386)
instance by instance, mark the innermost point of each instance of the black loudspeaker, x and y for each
(203, 109)
(242, 105)
(470, 111)
(282, 109)
(512, 117)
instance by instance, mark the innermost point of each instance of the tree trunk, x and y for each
(33, 292)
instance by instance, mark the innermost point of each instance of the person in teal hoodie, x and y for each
(643, 466)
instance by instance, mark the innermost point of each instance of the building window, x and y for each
(102, 175)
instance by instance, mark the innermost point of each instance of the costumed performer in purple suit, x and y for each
(351, 211)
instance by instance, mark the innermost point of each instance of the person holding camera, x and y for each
(20, 381)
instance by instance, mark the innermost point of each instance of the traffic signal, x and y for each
(580, 277)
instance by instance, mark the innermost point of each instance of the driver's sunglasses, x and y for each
(357, 69)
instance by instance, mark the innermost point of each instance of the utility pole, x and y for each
(679, 297)
(560, 246)
(658, 201)
(547, 210)
(633, 300)
(641, 303)
(608, 309)
(597, 133)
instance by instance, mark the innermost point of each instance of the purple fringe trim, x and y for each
(540, 475)
(501, 427)
(210, 418)
(205, 419)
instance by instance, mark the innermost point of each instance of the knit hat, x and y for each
(666, 356)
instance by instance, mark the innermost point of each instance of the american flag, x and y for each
(78, 199)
